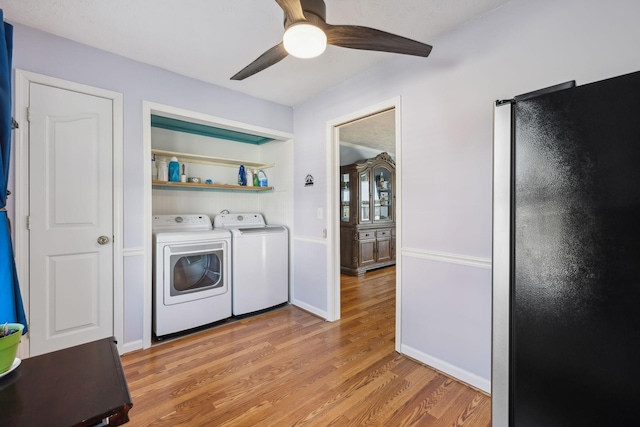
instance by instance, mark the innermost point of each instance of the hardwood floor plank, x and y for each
(289, 368)
(412, 381)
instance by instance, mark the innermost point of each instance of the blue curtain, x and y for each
(11, 308)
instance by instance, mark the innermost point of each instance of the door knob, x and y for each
(103, 240)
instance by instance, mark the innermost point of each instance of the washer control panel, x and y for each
(166, 222)
(238, 220)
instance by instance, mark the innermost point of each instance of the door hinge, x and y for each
(28, 114)
(28, 222)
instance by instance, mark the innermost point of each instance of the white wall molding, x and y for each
(133, 252)
(447, 368)
(467, 260)
(310, 239)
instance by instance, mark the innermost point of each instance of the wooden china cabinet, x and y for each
(367, 215)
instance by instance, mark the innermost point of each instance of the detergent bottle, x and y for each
(242, 176)
(262, 179)
(174, 170)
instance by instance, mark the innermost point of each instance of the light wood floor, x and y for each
(290, 368)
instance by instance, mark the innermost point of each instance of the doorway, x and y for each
(364, 120)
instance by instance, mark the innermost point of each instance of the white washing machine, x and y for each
(260, 261)
(191, 273)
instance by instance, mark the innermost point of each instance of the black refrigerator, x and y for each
(566, 256)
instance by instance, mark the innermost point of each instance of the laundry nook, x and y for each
(215, 256)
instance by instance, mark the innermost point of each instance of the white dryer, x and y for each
(191, 273)
(260, 261)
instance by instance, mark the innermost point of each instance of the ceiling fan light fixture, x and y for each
(307, 34)
(304, 40)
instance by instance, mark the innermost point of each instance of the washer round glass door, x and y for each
(194, 271)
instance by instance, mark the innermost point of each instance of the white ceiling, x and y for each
(211, 40)
(367, 137)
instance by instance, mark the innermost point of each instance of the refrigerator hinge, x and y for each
(500, 102)
(28, 114)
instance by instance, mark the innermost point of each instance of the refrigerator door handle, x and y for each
(501, 264)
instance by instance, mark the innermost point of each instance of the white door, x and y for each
(70, 218)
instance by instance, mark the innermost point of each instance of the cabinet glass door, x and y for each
(365, 212)
(383, 194)
(345, 197)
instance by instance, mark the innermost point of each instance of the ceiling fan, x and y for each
(307, 34)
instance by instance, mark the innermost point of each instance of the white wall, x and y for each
(447, 102)
(50, 55)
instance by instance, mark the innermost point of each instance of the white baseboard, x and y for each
(311, 309)
(447, 368)
(131, 346)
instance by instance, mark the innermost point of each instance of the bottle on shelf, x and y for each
(255, 179)
(174, 170)
(249, 178)
(242, 176)
(262, 178)
(154, 168)
(163, 171)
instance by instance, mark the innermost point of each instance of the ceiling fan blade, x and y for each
(365, 38)
(292, 10)
(266, 60)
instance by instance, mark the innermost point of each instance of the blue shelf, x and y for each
(204, 130)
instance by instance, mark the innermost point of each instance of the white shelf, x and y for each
(208, 187)
(209, 160)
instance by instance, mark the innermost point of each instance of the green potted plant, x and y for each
(10, 334)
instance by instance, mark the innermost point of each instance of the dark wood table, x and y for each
(78, 386)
